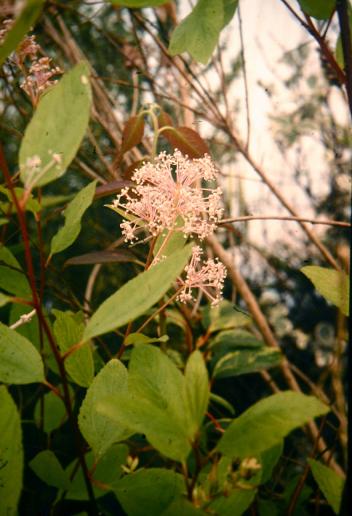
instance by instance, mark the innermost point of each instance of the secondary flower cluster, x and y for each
(169, 195)
(36, 68)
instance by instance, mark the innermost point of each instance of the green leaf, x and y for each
(330, 484)
(186, 140)
(47, 467)
(268, 459)
(22, 25)
(246, 361)
(199, 32)
(139, 3)
(58, 126)
(12, 278)
(106, 472)
(11, 454)
(68, 330)
(267, 422)
(320, 9)
(138, 295)
(20, 362)
(230, 7)
(134, 339)
(331, 284)
(99, 431)
(224, 317)
(32, 204)
(182, 506)
(235, 504)
(155, 404)
(149, 491)
(73, 215)
(232, 340)
(197, 387)
(54, 412)
(219, 400)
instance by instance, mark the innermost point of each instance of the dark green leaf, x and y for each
(11, 454)
(320, 9)
(73, 215)
(149, 491)
(106, 473)
(230, 7)
(330, 484)
(197, 387)
(199, 32)
(235, 504)
(267, 422)
(247, 361)
(58, 126)
(47, 467)
(54, 412)
(68, 330)
(12, 278)
(20, 362)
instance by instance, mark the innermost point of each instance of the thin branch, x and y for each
(245, 80)
(280, 217)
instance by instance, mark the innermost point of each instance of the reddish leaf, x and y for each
(122, 255)
(132, 133)
(111, 188)
(165, 119)
(128, 172)
(187, 141)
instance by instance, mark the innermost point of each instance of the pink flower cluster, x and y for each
(39, 75)
(169, 195)
(37, 68)
(206, 276)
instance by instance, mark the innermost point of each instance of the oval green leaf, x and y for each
(73, 215)
(246, 361)
(329, 482)
(20, 362)
(199, 32)
(57, 127)
(68, 330)
(267, 422)
(331, 284)
(138, 295)
(47, 467)
(320, 9)
(99, 431)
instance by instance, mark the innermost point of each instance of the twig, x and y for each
(346, 40)
(245, 80)
(24, 319)
(283, 217)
